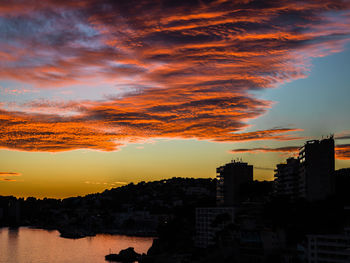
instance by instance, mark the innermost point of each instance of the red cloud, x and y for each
(190, 66)
(232, 44)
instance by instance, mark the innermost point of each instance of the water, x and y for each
(27, 245)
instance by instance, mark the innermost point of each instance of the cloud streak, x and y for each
(51, 133)
(186, 69)
(9, 174)
(287, 149)
(106, 127)
(7, 180)
(342, 151)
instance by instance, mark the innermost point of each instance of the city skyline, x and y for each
(97, 94)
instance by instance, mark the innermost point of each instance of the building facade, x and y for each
(231, 177)
(287, 179)
(311, 175)
(316, 169)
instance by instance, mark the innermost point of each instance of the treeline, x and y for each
(99, 211)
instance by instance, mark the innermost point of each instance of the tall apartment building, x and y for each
(230, 179)
(316, 169)
(209, 220)
(311, 175)
(287, 179)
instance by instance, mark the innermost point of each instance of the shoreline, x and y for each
(81, 234)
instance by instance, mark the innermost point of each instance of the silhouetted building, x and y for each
(342, 185)
(230, 179)
(329, 248)
(287, 179)
(209, 221)
(316, 169)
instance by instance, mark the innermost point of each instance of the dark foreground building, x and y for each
(230, 179)
(311, 176)
(317, 169)
(287, 179)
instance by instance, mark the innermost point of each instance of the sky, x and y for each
(95, 94)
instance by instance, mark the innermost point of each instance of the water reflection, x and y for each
(13, 234)
(22, 245)
(12, 237)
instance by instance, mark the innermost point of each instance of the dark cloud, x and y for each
(343, 136)
(342, 151)
(266, 149)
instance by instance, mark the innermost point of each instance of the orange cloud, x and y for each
(7, 174)
(187, 69)
(7, 180)
(342, 151)
(105, 126)
(44, 133)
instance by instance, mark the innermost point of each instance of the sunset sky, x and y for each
(95, 94)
